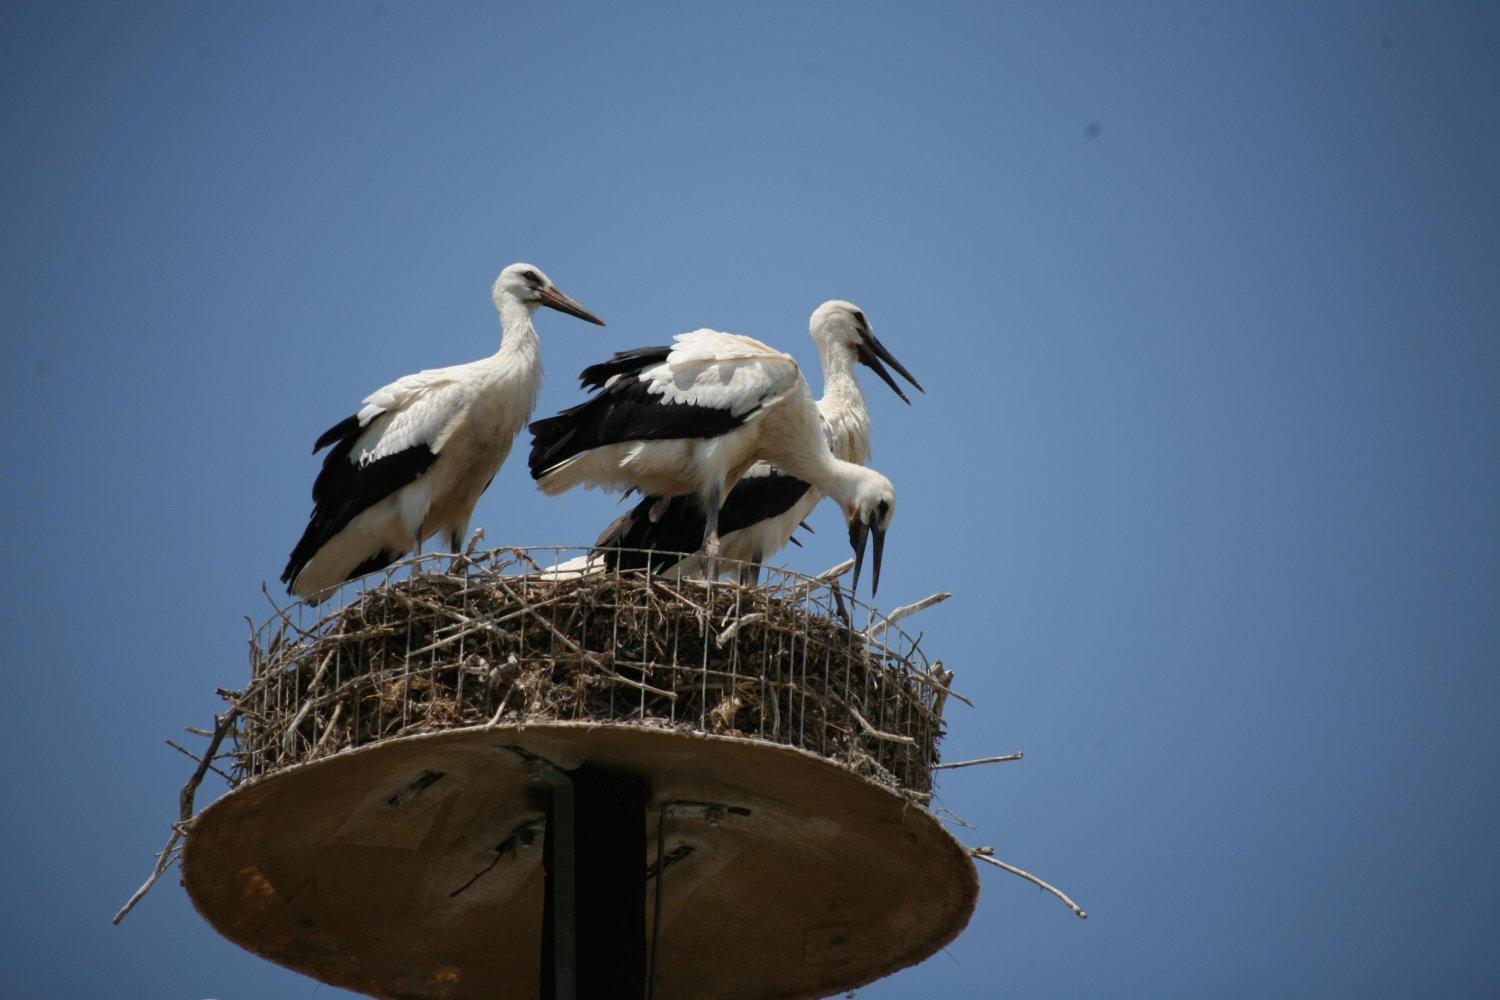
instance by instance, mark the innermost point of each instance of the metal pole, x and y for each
(661, 871)
(594, 914)
(560, 904)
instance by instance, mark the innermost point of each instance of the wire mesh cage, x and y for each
(517, 635)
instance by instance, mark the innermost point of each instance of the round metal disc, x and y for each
(402, 869)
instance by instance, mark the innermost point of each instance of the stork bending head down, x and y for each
(416, 457)
(765, 507)
(689, 419)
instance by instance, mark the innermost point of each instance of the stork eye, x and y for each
(859, 317)
(532, 277)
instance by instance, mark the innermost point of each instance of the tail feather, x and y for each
(631, 536)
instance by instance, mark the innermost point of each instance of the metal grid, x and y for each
(506, 636)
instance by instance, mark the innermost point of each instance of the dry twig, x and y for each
(906, 611)
(184, 811)
(979, 760)
(988, 854)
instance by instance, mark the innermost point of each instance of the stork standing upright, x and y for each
(689, 420)
(415, 459)
(765, 507)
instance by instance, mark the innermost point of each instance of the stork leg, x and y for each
(750, 574)
(711, 547)
(456, 546)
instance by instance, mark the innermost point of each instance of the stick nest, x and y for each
(494, 639)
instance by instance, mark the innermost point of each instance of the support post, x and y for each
(594, 913)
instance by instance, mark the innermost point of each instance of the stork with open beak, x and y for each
(765, 507)
(414, 460)
(690, 419)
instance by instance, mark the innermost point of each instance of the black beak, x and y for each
(879, 534)
(859, 533)
(554, 298)
(871, 352)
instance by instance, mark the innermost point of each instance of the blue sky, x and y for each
(1204, 297)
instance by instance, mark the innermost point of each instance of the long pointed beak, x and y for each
(879, 534)
(554, 298)
(859, 533)
(871, 352)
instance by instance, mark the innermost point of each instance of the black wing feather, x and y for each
(638, 360)
(378, 561)
(338, 432)
(756, 498)
(345, 489)
(680, 528)
(679, 533)
(622, 411)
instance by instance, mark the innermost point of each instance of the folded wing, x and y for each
(389, 444)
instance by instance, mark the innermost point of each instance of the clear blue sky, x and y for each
(1206, 298)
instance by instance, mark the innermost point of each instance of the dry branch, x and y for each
(905, 611)
(290, 736)
(184, 811)
(979, 760)
(878, 734)
(988, 854)
(827, 576)
(195, 758)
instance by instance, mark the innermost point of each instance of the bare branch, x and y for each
(878, 734)
(184, 811)
(739, 623)
(474, 541)
(289, 737)
(834, 572)
(988, 854)
(907, 610)
(196, 759)
(979, 760)
(827, 576)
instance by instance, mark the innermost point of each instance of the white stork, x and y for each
(765, 507)
(690, 419)
(415, 459)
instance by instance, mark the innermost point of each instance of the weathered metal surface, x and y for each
(360, 869)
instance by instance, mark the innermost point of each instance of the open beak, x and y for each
(553, 298)
(872, 352)
(859, 534)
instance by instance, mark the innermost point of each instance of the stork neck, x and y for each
(839, 381)
(843, 399)
(518, 337)
(841, 479)
(845, 415)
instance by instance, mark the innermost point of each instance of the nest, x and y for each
(445, 642)
(496, 639)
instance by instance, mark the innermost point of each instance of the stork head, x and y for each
(525, 283)
(869, 512)
(837, 325)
